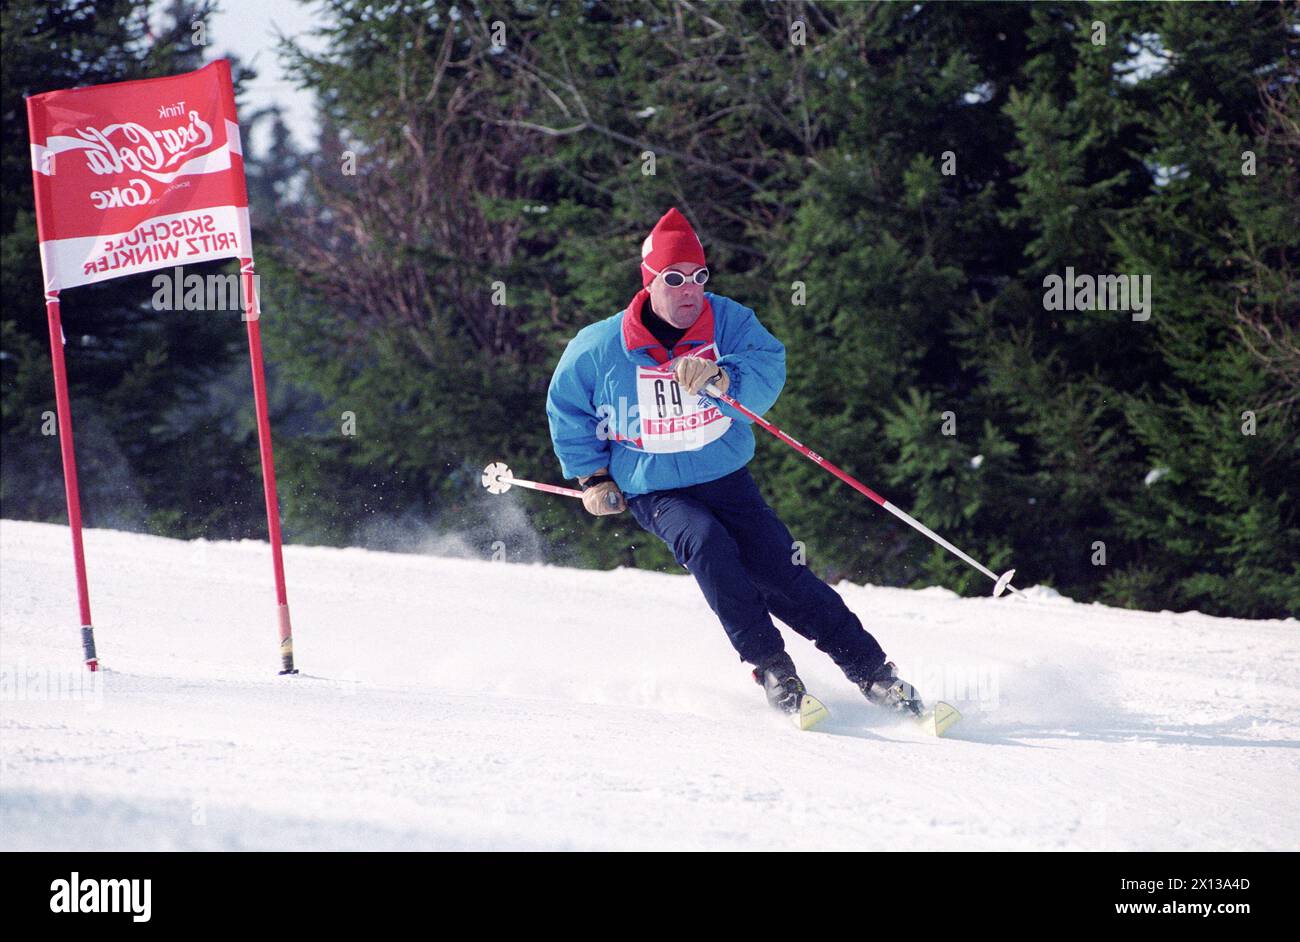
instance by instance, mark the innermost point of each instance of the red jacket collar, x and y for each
(636, 336)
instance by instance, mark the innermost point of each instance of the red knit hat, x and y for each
(671, 242)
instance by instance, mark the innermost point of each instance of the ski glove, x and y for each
(600, 495)
(694, 373)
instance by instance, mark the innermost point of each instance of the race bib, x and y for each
(670, 419)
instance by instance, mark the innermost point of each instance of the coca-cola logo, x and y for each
(138, 149)
(136, 193)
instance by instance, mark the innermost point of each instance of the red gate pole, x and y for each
(64, 407)
(252, 310)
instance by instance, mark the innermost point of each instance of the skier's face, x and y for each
(678, 306)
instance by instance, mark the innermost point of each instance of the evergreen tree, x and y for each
(892, 187)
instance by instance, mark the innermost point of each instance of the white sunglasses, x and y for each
(675, 279)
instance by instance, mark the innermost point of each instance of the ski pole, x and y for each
(1001, 583)
(498, 479)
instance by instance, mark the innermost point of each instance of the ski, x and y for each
(940, 719)
(811, 712)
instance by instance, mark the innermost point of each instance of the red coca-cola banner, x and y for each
(135, 176)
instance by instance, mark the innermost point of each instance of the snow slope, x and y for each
(452, 703)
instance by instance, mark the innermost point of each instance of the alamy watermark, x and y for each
(23, 682)
(214, 292)
(78, 895)
(1071, 292)
(977, 686)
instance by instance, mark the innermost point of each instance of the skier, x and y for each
(630, 420)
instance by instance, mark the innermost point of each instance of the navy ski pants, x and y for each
(742, 556)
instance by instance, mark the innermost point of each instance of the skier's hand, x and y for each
(603, 497)
(694, 373)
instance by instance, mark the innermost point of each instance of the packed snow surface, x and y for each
(451, 703)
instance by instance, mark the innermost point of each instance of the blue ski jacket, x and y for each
(613, 401)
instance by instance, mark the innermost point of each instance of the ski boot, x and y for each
(780, 682)
(787, 693)
(885, 689)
